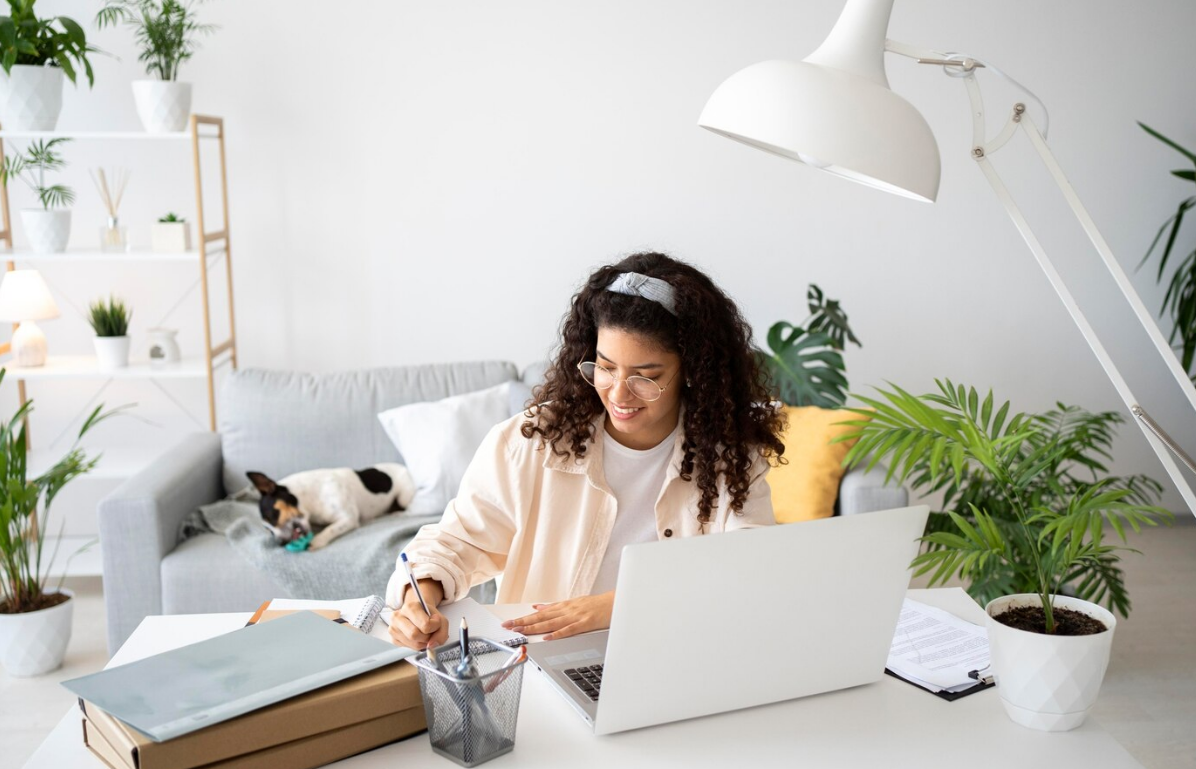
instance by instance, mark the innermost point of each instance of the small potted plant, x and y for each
(1038, 542)
(110, 320)
(170, 235)
(49, 227)
(35, 54)
(166, 31)
(35, 620)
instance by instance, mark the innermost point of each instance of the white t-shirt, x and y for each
(636, 478)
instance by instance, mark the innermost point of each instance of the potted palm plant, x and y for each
(49, 227)
(110, 320)
(35, 54)
(166, 31)
(35, 620)
(1031, 524)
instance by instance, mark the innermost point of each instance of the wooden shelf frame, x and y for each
(203, 129)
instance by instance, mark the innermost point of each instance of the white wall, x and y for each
(417, 182)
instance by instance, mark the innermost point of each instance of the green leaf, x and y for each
(1167, 141)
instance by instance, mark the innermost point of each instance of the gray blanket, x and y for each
(357, 564)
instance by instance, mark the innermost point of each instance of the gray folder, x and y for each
(195, 686)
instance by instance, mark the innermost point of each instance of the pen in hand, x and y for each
(414, 584)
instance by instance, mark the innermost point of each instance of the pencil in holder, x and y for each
(472, 720)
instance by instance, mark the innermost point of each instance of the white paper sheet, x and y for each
(936, 649)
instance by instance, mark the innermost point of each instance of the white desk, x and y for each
(886, 724)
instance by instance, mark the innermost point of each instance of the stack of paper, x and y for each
(936, 650)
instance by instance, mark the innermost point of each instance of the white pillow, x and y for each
(439, 438)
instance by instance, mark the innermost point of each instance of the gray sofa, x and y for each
(280, 423)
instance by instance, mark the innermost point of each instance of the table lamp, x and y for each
(834, 111)
(24, 298)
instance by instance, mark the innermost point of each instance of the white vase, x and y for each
(112, 352)
(30, 97)
(163, 105)
(35, 642)
(1048, 682)
(163, 348)
(48, 231)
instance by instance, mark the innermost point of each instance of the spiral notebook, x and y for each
(361, 613)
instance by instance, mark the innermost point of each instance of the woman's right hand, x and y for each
(411, 627)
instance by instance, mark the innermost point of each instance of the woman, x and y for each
(654, 421)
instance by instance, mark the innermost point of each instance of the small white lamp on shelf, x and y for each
(24, 298)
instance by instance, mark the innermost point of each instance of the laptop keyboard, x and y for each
(588, 679)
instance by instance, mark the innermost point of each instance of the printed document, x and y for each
(936, 649)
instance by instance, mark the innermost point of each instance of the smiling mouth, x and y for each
(625, 412)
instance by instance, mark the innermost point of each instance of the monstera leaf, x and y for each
(827, 315)
(804, 367)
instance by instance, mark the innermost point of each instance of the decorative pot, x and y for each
(170, 237)
(30, 97)
(47, 230)
(164, 106)
(163, 348)
(1048, 682)
(35, 642)
(112, 352)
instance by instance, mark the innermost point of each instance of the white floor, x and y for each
(1148, 702)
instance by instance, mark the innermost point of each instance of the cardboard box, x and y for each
(392, 690)
(308, 753)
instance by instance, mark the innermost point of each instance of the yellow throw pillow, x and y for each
(806, 488)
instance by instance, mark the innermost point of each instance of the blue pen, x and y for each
(414, 584)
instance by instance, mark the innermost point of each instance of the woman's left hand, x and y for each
(566, 618)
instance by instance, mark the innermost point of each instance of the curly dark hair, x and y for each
(730, 417)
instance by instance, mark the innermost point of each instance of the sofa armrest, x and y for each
(866, 492)
(139, 525)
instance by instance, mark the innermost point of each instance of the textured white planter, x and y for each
(35, 642)
(47, 231)
(162, 105)
(112, 351)
(170, 237)
(1047, 682)
(30, 98)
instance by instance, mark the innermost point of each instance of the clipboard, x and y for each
(948, 696)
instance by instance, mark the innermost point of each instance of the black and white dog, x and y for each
(339, 499)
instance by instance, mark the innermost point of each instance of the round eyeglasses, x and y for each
(640, 386)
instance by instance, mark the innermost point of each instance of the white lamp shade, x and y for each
(25, 296)
(834, 110)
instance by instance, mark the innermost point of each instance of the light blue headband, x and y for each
(653, 289)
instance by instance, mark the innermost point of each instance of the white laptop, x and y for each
(709, 624)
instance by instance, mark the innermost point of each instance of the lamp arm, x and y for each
(1158, 440)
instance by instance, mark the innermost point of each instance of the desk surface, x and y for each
(889, 723)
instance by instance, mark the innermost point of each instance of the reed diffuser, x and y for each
(113, 236)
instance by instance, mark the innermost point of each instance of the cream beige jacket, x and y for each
(543, 521)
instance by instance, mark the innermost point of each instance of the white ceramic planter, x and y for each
(163, 105)
(47, 231)
(30, 98)
(35, 642)
(112, 351)
(1048, 682)
(170, 237)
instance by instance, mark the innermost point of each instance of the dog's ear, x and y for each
(262, 482)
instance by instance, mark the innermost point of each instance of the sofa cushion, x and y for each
(439, 438)
(203, 574)
(279, 422)
(806, 487)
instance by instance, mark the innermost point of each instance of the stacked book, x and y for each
(141, 719)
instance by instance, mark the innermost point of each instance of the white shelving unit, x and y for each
(118, 463)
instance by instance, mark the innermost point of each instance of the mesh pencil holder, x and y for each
(472, 720)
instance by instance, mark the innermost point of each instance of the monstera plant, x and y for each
(805, 362)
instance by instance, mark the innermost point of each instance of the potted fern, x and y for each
(166, 31)
(110, 320)
(49, 227)
(1031, 523)
(35, 55)
(35, 619)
